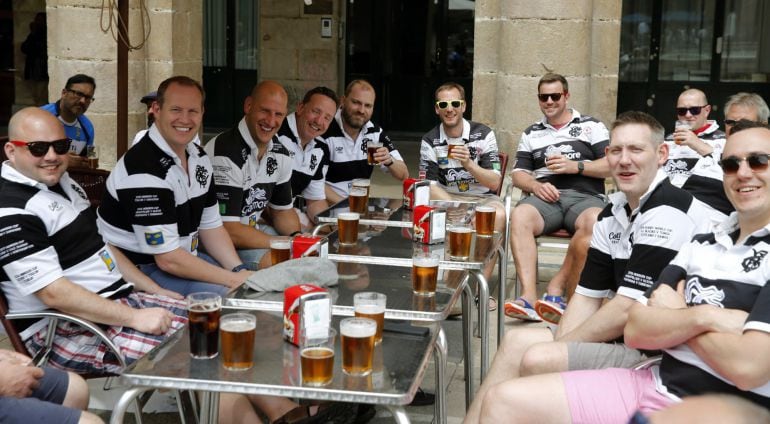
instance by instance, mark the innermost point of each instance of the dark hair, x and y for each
(642, 118)
(79, 79)
(356, 82)
(551, 77)
(745, 124)
(449, 86)
(183, 81)
(324, 91)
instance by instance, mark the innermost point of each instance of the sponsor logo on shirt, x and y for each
(614, 237)
(675, 167)
(107, 259)
(55, 207)
(697, 294)
(754, 261)
(77, 189)
(154, 239)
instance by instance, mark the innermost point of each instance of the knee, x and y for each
(542, 358)
(89, 418)
(77, 392)
(586, 220)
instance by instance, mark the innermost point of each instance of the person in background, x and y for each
(76, 96)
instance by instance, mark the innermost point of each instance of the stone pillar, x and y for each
(517, 41)
(76, 44)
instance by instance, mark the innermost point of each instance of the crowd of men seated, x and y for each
(673, 263)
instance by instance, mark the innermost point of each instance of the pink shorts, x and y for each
(611, 395)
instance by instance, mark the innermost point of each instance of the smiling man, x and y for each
(748, 106)
(76, 96)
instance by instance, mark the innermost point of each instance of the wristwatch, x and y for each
(581, 168)
(240, 267)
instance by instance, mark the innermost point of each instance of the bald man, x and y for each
(252, 170)
(694, 153)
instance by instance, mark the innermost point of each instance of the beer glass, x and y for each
(238, 332)
(681, 125)
(485, 220)
(280, 249)
(357, 345)
(459, 241)
(371, 149)
(371, 305)
(358, 199)
(317, 356)
(347, 223)
(203, 311)
(451, 144)
(424, 273)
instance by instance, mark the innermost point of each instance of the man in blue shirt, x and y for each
(76, 96)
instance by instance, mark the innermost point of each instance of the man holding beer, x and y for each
(356, 144)
(301, 134)
(252, 171)
(560, 164)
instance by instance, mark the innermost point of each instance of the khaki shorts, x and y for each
(592, 356)
(563, 212)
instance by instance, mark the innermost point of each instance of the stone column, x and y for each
(517, 41)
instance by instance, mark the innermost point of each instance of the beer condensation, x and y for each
(317, 366)
(485, 220)
(459, 242)
(237, 344)
(204, 330)
(424, 276)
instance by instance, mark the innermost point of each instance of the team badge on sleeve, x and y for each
(194, 242)
(154, 239)
(107, 259)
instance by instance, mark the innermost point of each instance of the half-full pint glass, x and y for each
(371, 149)
(358, 198)
(424, 273)
(317, 357)
(459, 241)
(280, 249)
(357, 345)
(347, 223)
(371, 305)
(238, 332)
(451, 146)
(203, 310)
(485, 220)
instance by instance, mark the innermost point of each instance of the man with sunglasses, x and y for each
(748, 106)
(76, 96)
(560, 163)
(694, 152)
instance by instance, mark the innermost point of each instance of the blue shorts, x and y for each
(44, 406)
(181, 285)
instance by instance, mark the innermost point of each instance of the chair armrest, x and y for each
(55, 316)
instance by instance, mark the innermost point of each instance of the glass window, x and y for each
(687, 33)
(745, 54)
(215, 34)
(635, 33)
(245, 34)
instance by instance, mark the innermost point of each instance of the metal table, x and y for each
(399, 366)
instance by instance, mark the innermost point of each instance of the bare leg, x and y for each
(544, 358)
(236, 409)
(273, 407)
(569, 273)
(77, 392)
(89, 418)
(526, 223)
(505, 365)
(540, 398)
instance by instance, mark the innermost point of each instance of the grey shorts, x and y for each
(592, 356)
(563, 212)
(44, 406)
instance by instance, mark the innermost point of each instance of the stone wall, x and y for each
(517, 41)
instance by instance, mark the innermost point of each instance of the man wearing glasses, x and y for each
(695, 147)
(560, 163)
(76, 97)
(748, 106)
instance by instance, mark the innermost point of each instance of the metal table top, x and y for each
(391, 213)
(399, 366)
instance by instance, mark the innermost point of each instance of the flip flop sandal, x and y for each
(521, 309)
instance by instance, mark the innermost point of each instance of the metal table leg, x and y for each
(209, 408)
(440, 360)
(483, 320)
(502, 272)
(467, 344)
(399, 415)
(126, 399)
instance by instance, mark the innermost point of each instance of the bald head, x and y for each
(693, 100)
(33, 124)
(36, 127)
(695, 94)
(264, 110)
(269, 88)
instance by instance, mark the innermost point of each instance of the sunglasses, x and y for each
(555, 96)
(694, 110)
(39, 149)
(756, 161)
(82, 95)
(443, 104)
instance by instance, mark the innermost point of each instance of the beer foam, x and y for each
(485, 209)
(361, 183)
(203, 307)
(236, 326)
(459, 229)
(348, 216)
(370, 309)
(281, 244)
(358, 328)
(425, 262)
(317, 352)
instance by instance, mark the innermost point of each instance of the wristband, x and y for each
(295, 233)
(389, 164)
(240, 267)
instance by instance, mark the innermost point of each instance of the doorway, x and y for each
(719, 46)
(406, 49)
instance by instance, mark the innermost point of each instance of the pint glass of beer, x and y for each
(424, 273)
(358, 199)
(317, 356)
(357, 345)
(371, 305)
(238, 332)
(203, 311)
(280, 249)
(371, 149)
(485, 220)
(451, 146)
(347, 223)
(459, 241)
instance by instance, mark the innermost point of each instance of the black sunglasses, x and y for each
(39, 149)
(544, 97)
(82, 95)
(756, 161)
(694, 110)
(443, 104)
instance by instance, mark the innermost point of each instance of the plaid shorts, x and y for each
(80, 351)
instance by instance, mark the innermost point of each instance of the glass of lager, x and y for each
(203, 310)
(280, 249)
(238, 332)
(357, 345)
(358, 199)
(371, 305)
(459, 241)
(485, 221)
(347, 223)
(451, 146)
(317, 356)
(371, 149)
(424, 273)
